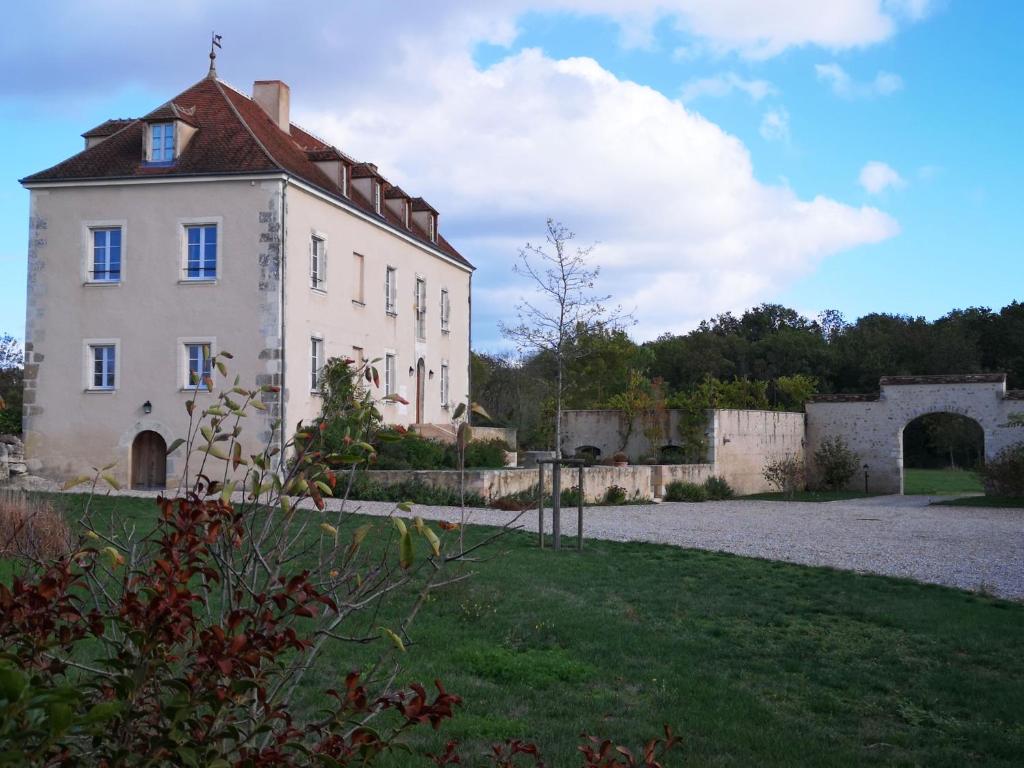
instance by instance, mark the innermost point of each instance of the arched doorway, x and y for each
(420, 387)
(941, 454)
(149, 461)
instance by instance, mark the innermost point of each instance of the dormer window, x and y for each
(433, 228)
(344, 179)
(161, 142)
(407, 214)
(376, 196)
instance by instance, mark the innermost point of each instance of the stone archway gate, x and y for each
(872, 425)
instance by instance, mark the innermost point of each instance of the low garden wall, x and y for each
(644, 481)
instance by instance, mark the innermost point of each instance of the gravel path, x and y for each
(973, 548)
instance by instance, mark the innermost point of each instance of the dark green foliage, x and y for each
(11, 385)
(718, 489)
(792, 356)
(679, 490)
(366, 488)
(1004, 473)
(485, 454)
(835, 463)
(407, 450)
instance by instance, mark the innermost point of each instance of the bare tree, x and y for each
(566, 306)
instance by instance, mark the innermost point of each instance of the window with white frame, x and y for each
(376, 196)
(161, 142)
(444, 385)
(391, 291)
(316, 360)
(357, 357)
(344, 179)
(200, 251)
(198, 364)
(106, 255)
(445, 310)
(421, 308)
(103, 375)
(317, 263)
(358, 278)
(390, 374)
(433, 227)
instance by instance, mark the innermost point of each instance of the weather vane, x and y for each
(214, 43)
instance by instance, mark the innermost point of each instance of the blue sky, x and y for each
(717, 152)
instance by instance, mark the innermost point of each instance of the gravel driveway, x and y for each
(974, 548)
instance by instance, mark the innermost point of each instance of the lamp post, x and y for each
(865, 479)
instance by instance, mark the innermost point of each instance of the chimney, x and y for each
(274, 97)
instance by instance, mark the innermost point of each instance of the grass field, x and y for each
(814, 496)
(940, 482)
(752, 662)
(1005, 502)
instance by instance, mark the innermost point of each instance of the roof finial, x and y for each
(214, 43)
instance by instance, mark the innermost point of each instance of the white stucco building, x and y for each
(214, 223)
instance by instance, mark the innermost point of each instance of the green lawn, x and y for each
(752, 662)
(940, 482)
(813, 496)
(982, 501)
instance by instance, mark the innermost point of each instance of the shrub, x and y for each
(614, 495)
(1003, 474)
(785, 474)
(836, 464)
(365, 488)
(672, 454)
(620, 458)
(484, 454)
(571, 496)
(407, 450)
(31, 528)
(679, 490)
(718, 489)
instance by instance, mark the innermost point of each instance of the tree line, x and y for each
(770, 344)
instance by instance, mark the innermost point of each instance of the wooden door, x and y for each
(420, 385)
(149, 461)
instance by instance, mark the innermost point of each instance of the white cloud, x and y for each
(684, 227)
(775, 125)
(876, 177)
(725, 83)
(843, 85)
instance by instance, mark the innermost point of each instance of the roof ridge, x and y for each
(238, 115)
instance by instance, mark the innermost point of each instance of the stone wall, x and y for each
(739, 442)
(872, 425)
(638, 481)
(12, 458)
(742, 442)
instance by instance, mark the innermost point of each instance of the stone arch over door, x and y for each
(873, 424)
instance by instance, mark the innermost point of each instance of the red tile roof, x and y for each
(234, 136)
(108, 127)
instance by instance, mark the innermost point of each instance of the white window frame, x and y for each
(201, 221)
(433, 227)
(359, 279)
(344, 179)
(317, 359)
(184, 372)
(358, 356)
(420, 305)
(90, 226)
(318, 265)
(377, 196)
(445, 384)
(174, 142)
(446, 310)
(390, 374)
(88, 382)
(391, 290)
